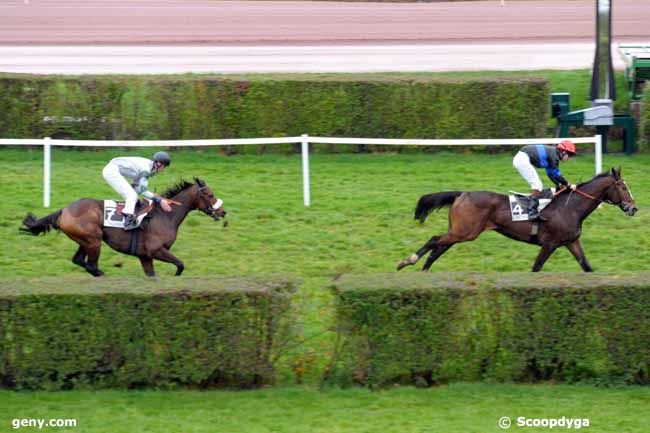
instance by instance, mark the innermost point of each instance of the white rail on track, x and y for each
(304, 141)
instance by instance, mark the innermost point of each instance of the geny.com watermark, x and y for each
(40, 423)
(522, 421)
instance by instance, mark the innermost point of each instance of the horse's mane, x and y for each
(181, 185)
(598, 176)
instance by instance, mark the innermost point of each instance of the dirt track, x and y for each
(219, 22)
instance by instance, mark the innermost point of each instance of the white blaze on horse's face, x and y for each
(218, 204)
(628, 190)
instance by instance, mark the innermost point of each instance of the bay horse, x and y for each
(472, 213)
(83, 222)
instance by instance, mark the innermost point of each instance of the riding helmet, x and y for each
(162, 157)
(567, 146)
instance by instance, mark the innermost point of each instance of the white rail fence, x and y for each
(304, 140)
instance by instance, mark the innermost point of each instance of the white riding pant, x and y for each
(521, 162)
(112, 175)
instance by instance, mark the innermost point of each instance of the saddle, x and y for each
(113, 216)
(519, 203)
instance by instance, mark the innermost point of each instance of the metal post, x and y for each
(46, 171)
(599, 153)
(305, 169)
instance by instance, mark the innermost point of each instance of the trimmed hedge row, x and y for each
(431, 328)
(191, 332)
(644, 123)
(201, 107)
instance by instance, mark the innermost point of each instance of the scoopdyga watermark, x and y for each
(550, 423)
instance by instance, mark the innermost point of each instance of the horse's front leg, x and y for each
(543, 255)
(147, 266)
(576, 249)
(413, 258)
(164, 255)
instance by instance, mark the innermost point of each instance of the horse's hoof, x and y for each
(411, 260)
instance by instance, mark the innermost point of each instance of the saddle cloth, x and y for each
(113, 213)
(519, 203)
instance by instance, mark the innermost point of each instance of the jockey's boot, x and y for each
(533, 205)
(130, 222)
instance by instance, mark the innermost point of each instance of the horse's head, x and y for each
(207, 203)
(619, 194)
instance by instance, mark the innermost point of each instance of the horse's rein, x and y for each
(582, 193)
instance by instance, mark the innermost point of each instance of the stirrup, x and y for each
(130, 222)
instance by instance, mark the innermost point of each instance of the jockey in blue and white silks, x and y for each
(138, 170)
(548, 158)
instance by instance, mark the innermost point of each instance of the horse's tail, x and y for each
(430, 202)
(35, 227)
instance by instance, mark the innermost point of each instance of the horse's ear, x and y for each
(619, 171)
(199, 182)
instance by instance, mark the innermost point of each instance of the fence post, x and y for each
(599, 154)
(305, 169)
(46, 171)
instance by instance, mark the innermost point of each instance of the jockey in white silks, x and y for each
(138, 170)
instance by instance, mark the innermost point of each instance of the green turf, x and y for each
(361, 220)
(458, 408)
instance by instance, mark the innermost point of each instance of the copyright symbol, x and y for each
(504, 422)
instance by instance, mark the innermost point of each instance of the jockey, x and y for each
(138, 170)
(547, 157)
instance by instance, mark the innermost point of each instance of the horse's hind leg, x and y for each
(437, 252)
(79, 257)
(93, 251)
(440, 244)
(466, 222)
(413, 258)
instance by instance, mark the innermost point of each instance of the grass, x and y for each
(360, 221)
(458, 408)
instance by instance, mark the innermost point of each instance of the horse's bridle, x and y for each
(211, 210)
(591, 197)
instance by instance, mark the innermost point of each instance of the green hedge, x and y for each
(644, 123)
(202, 107)
(131, 333)
(435, 328)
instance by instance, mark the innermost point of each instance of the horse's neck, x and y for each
(179, 212)
(585, 205)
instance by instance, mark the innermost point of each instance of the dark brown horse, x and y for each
(472, 213)
(83, 220)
